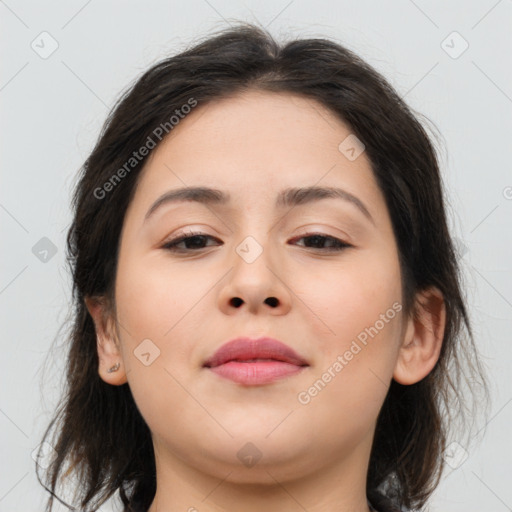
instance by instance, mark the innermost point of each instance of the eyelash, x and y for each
(171, 244)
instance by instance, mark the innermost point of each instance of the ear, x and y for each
(423, 338)
(107, 344)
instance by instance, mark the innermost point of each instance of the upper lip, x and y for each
(243, 349)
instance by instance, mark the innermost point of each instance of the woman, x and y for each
(267, 295)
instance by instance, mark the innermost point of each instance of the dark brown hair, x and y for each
(101, 435)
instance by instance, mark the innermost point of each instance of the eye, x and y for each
(318, 240)
(193, 239)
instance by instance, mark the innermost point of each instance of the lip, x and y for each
(234, 361)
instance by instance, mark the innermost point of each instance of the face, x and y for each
(321, 276)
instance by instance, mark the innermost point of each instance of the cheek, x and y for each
(361, 308)
(357, 325)
(352, 295)
(155, 311)
(152, 297)
(152, 307)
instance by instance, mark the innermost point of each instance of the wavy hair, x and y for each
(406, 460)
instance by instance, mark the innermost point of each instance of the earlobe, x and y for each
(423, 339)
(111, 368)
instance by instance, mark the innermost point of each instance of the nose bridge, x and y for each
(254, 281)
(253, 236)
(253, 260)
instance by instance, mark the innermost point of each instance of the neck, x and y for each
(339, 487)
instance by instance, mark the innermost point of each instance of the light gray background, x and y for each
(51, 112)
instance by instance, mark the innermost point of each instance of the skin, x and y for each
(314, 456)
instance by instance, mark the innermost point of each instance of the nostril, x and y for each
(236, 302)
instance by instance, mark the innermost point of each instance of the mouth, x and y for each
(255, 361)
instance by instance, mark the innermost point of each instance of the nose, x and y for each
(256, 286)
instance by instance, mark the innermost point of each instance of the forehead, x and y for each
(286, 125)
(256, 144)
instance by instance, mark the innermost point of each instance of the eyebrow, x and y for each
(289, 197)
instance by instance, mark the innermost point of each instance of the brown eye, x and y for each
(319, 241)
(193, 241)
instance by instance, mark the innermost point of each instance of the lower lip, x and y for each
(257, 372)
